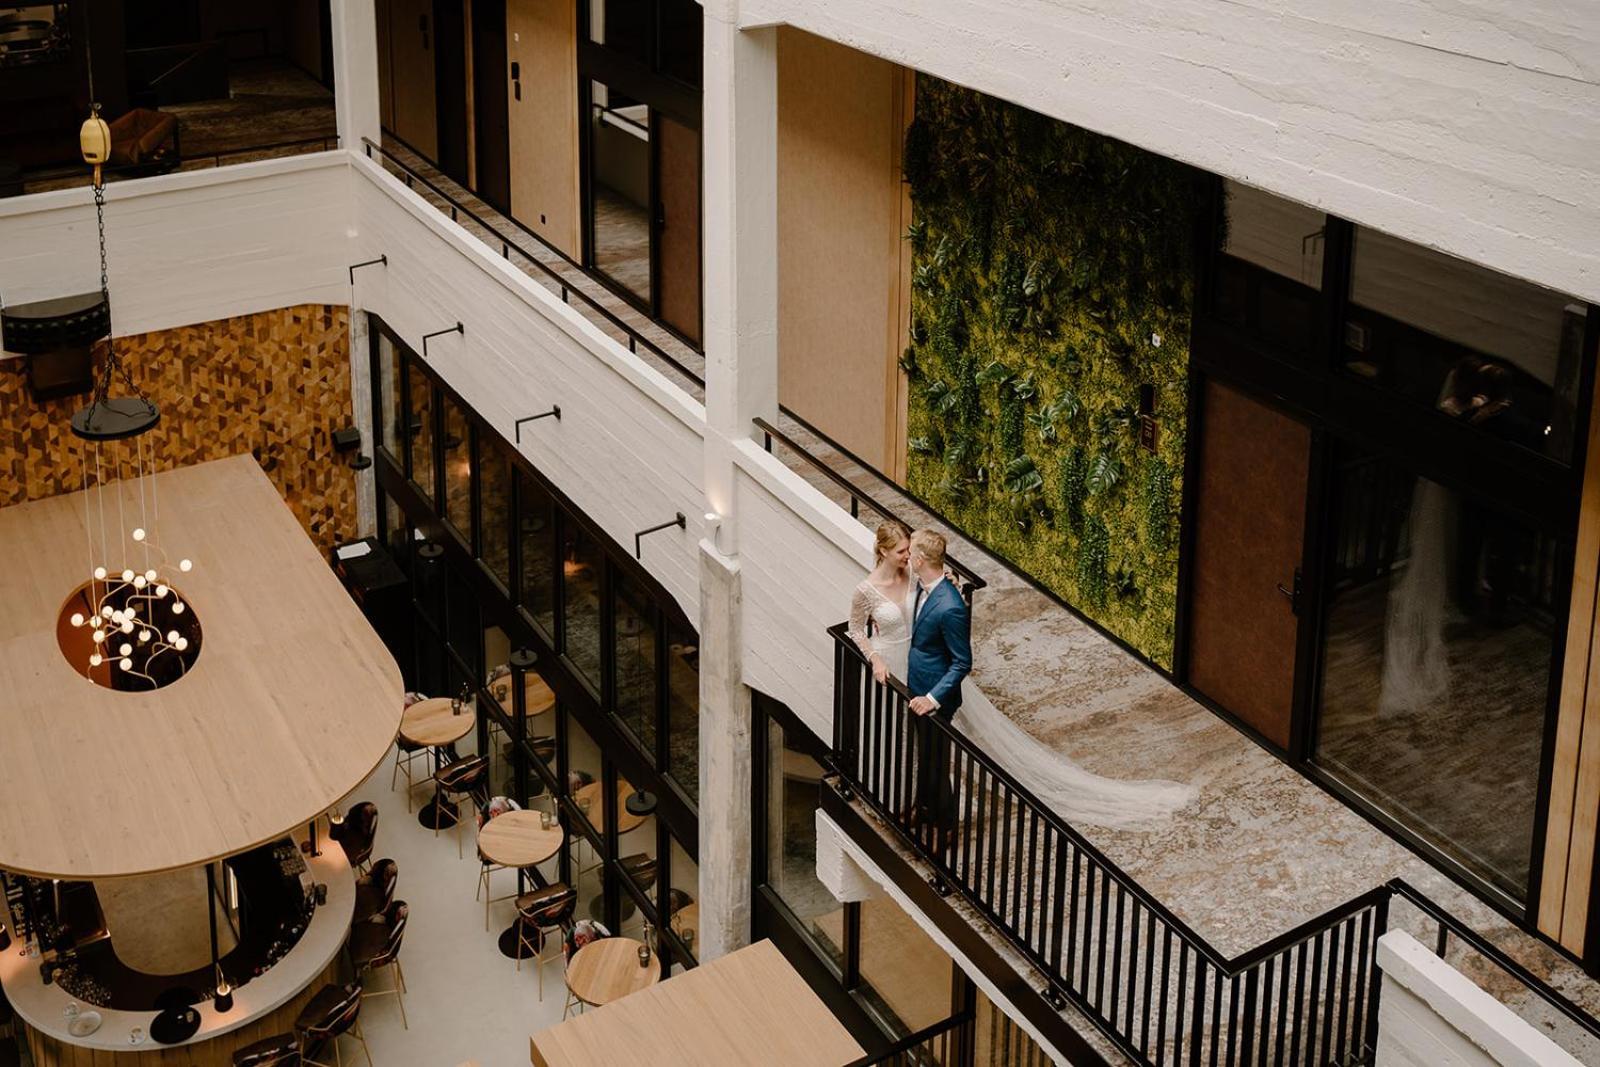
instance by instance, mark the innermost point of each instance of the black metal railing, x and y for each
(967, 579)
(412, 175)
(1153, 986)
(946, 1043)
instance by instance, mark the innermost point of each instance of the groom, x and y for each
(941, 656)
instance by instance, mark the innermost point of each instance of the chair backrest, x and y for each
(394, 917)
(362, 821)
(553, 909)
(279, 1050)
(385, 875)
(340, 1015)
(465, 775)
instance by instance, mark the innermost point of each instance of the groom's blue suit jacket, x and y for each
(941, 648)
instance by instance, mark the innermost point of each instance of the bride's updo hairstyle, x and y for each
(890, 533)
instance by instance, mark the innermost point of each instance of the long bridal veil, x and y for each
(1077, 795)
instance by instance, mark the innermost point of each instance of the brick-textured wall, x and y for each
(275, 384)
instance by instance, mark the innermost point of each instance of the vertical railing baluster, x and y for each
(1268, 971)
(1116, 959)
(1073, 944)
(1087, 940)
(1283, 1010)
(1357, 1032)
(1299, 1002)
(1314, 1001)
(969, 827)
(1344, 988)
(999, 901)
(1183, 1000)
(1161, 1017)
(1100, 942)
(1327, 1012)
(1133, 967)
(1149, 976)
(1058, 902)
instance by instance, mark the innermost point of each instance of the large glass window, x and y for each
(625, 26)
(1482, 347)
(1268, 277)
(1436, 663)
(634, 663)
(683, 909)
(536, 541)
(619, 168)
(457, 469)
(794, 783)
(682, 33)
(419, 429)
(905, 976)
(683, 709)
(389, 406)
(580, 600)
(494, 526)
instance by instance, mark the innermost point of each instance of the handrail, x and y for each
(140, 170)
(911, 1042)
(970, 579)
(636, 340)
(1480, 945)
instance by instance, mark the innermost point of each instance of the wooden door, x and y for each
(490, 98)
(677, 259)
(1249, 539)
(411, 51)
(542, 105)
(451, 74)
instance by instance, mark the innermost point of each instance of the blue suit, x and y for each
(941, 648)
(941, 656)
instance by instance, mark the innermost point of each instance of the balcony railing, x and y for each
(948, 1043)
(1154, 987)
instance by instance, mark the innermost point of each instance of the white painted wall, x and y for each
(1472, 126)
(188, 247)
(1431, 1015)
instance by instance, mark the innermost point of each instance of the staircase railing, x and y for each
(948, 1041)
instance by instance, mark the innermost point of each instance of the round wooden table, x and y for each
(540, 697)
(592, 795)
(433, 724)
(516, 840)
(607, 970)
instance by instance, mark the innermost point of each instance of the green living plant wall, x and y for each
(1052, 279)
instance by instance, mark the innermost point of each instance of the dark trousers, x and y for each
(936, 797)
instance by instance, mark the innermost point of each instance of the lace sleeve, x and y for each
(860, 630)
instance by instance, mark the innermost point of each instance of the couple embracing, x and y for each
(910, 621)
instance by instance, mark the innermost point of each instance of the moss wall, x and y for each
(1052, 277)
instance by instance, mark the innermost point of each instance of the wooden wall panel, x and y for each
(542, 39)
(842, 116)
(275, 384)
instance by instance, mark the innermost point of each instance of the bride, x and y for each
(879, 610)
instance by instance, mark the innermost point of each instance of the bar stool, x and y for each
(375, 946)
(333, 1013)
(279, 1050)
(538, 914)
(405, 754)
(375, 892)
(465, 779)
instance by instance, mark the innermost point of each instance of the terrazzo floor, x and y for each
(1261, 849)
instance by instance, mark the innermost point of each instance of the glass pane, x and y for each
(389, 416)
(626, 26)
(1482, 347)
(683, 908)
(463, 628)
(419, 427)
(636, 855)
(683, 709)
(580, 599)
(635, 662)
(905, 976)
(583, 773)
(794, 791)
(536, 534)
(681, 36)
(587, 875)
(502, 747)
(1271, 268)
(428, 580)
(1437, 663)
(494, 528)
(619, 166)
(457, 469)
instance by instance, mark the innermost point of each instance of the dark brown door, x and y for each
(1249, 536)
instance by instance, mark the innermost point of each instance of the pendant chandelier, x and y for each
(127, 627)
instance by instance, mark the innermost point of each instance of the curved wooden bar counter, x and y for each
(263, 1006)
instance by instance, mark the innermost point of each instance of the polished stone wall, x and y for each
(275, 384)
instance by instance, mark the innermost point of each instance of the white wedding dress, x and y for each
(878, 624)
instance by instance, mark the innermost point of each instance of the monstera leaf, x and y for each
(1105, 471)
(994, 373)
(1023, 477)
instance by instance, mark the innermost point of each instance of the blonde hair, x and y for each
(930, 545)
(890, 533)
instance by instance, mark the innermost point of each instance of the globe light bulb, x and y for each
(138, 533)
(127, 575)
(150, 575)
(162, 590)
(125, 649)
(140, 581)
(116, 616)
(126, 664)
(95, 659)
(181, 643)
(100, 574)
(186, 565)
(77, 618)
(105, 612)
(172, 637)
(177, 607)
(99, 636)
(144, 635)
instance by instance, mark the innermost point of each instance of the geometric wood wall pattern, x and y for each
(275, 384)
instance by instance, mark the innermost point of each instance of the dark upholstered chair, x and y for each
(279, 1050)
(465, 779)
(375, 947)
(334, 1012)
(539, 914)
(359, 831)
(375, 892)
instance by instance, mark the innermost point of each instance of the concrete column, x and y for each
(740, 138)
(361, 401)
(355, 71)
(725, 755)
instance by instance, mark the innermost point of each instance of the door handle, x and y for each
(1292, 594)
